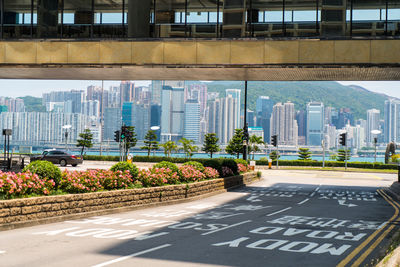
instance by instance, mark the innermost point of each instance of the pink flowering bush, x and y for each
(226, 171)
(242, 168)
(94, 180)
(210, 173)
(23, 184)
(191, 174)
(157, 177)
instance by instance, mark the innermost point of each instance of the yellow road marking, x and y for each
(377, 241)
(369, 239)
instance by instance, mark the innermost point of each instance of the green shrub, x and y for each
(167, 164)
(215, 164)
(231, 164)
(45, 170)
(126, 166)
(241, 161)
(197, 165)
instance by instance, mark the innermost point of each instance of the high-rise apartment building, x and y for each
(264, 107)
(192, 121)
(315, 123)
(229, 119)
(199, 92)
(214, 116)
(235, 94)
(172, 113)
(373, 117)
(43, 128)
(91, 108)
(392, 120)
(283, 123)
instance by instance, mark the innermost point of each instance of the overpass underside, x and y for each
(196, 59)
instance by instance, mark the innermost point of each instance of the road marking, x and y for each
(2, 251)
(131, 256)
(230, 226)
(304, 201)
(342, 202)
(279, 211)
(371, 237)
(379, 239)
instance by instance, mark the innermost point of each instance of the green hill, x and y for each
(33, 104)
(333, 94)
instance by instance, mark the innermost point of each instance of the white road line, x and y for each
(131, 256)
(2, 251)
(304, 201)
(279, 211)
(313, 194)
(230, 226)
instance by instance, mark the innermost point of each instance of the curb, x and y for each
(56, 219)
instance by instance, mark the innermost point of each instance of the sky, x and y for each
(17, 88)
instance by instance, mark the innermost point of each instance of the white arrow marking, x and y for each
(342, 202)
(2, 251)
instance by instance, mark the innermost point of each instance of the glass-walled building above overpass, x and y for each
(102, 19)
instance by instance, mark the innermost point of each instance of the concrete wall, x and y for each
(199, 52)
(31, 211)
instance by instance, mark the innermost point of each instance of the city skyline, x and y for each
(20, 88)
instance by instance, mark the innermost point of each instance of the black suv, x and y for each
(58, 157)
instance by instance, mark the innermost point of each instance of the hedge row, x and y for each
(312, 163)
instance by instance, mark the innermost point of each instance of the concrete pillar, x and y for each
(139, 18)
(333, 18)
(234, 18)
(47, 18)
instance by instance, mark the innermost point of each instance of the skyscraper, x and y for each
(137, 115)
(283, 123)
(315, 123)
(112, 122)
(229, 120)
(235, 94)
(373, 116)
(126, 92)
(264, 107)
(392, 120)
(172, 113)
(192, 120)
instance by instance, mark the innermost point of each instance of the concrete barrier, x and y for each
(48, 209)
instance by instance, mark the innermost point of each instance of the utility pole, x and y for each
(245, 127)
(323, 153)
(101, 117)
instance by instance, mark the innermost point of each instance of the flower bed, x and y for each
(16, 185)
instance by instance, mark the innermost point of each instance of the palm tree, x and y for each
(254, 141)
(169, 146)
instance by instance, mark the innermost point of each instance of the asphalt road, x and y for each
(290, 218)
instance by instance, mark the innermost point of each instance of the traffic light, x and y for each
(116, 136)
(123, 132)
(274, 140)
(342, 139)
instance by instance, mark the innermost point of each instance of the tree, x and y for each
(150, 142)
(129, 139)
(211, 144)
(274, 155)
(85, 141)
(235, 145)
(304, 153)
(169, 146)
(188, 147)
(343, 154)
(254, 141)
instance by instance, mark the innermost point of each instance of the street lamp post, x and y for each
(323, 153)
(66, 127)
(245, 128)
(375, 133)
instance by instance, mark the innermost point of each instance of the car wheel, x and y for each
(74, 165)
(63, 162)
